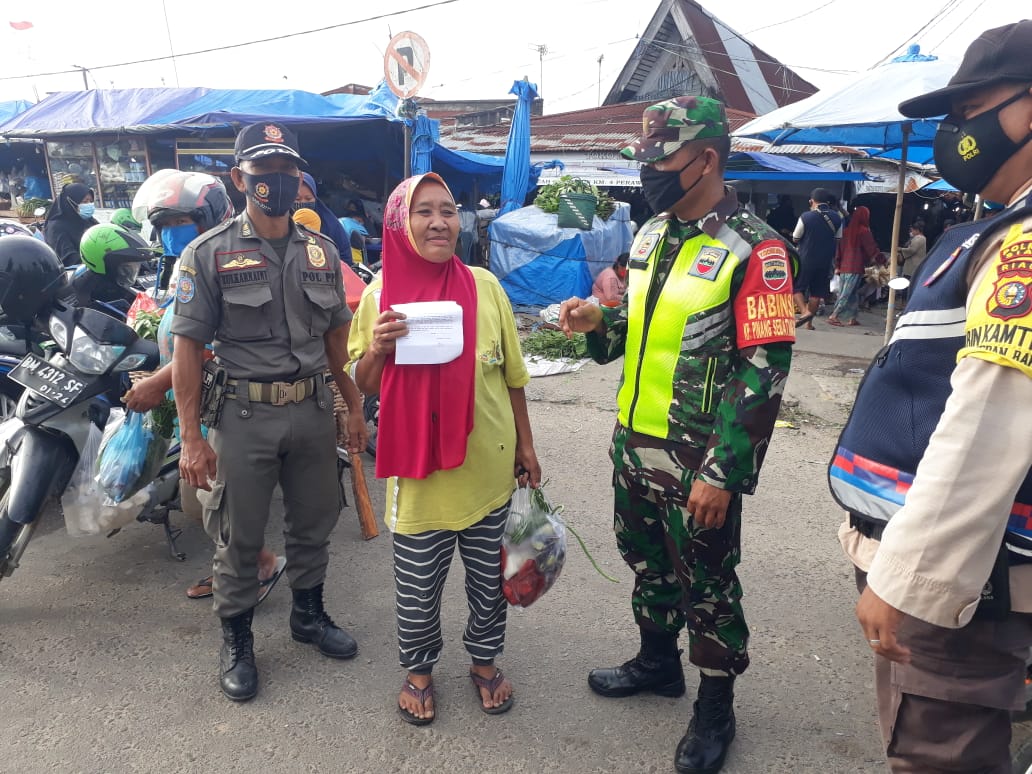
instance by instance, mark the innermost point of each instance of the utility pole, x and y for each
(85, 83)
(600, 58)
(542, 49)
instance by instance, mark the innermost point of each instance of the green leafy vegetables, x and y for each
(554, 344)
(548, 195)
(164, 414)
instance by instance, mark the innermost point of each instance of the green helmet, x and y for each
(124, 218)
(105, 247)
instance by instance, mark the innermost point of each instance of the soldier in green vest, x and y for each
(706, 330)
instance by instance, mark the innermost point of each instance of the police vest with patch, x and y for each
(905, 390)
(693, 312)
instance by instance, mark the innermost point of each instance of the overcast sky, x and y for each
(477, 48)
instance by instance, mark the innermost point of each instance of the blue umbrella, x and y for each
(516, 174)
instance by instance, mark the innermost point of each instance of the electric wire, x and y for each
(231, 46)
(943, 12)
(794, 18)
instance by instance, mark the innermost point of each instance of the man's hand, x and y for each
(707, 504)
(579, 316)
(197, 463)
(880, 622)
(145, 395)
(358, 433)
(528, 469)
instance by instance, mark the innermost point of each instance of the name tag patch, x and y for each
(708, 262)
(639, 258)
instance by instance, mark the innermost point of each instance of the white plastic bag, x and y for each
(533, 547)
(87, 509)
(836, 284)
(83, 497)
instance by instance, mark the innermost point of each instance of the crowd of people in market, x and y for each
(703, 310)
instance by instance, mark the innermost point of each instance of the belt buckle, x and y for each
(282, 393)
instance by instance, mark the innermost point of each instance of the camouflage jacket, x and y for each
(725, 398)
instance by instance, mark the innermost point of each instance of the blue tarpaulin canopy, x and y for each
(189, 110)
(9, 110)
(768, 166)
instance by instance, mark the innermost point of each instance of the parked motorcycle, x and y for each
(67, 391)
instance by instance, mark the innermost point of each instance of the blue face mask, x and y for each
(86, 210)
(174, 239)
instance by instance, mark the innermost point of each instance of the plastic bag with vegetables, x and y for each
(131, 455)
(533, 547)
(86, 507)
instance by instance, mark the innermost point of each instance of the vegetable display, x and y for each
(554, 345)
(548, 195)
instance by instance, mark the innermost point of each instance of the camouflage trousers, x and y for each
(684, 574)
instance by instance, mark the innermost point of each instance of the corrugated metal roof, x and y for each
(606, 128)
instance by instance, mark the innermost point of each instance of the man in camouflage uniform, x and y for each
(706, 328)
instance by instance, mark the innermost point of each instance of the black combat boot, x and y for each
(704, 747)
(310, 623)
(656, 668)
(238, 674)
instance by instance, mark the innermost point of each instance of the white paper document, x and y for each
(434, 333)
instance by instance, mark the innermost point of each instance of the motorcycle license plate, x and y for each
(48, 380)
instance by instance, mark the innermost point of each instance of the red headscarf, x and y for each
(859, 222)
(426, 411)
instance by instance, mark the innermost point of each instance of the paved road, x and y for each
(108, 667)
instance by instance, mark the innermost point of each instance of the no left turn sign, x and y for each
(406, 63)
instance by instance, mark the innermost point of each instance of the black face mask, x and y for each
(663, 189)
(303, 206)
(273, 193)
(968, 153)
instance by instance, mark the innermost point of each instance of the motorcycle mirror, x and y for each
(39, 212)
(899, 283)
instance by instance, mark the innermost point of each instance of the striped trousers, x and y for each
(421, 565)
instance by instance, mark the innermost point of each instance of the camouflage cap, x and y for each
(670, 124)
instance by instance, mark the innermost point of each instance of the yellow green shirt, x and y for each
(457, 498)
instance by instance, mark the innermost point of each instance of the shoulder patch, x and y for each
(185, 289)
(708, 262)
(775, 268)
(764, 310)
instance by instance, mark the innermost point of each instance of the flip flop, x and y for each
(803, 320)
(265, 586)
(201, 589)
(490, 685)
(836, 323)
(420, 695)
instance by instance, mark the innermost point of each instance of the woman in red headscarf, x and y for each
(454, 438)
(856, 251)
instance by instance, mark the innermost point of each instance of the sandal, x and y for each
(265, 586)
(201, 589)
(837, 323)
(421, 695)
(490, 685)
(804, 320)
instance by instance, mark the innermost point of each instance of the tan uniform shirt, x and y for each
(938, 550)
(265, 316)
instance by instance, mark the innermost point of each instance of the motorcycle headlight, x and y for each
(131, 363)
(60, 333)
(89, 357)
